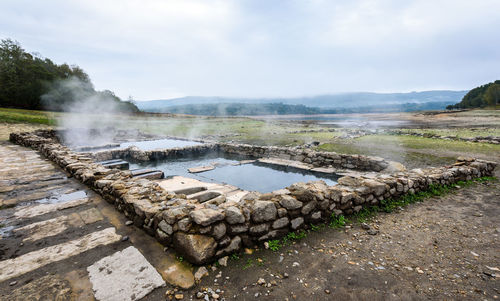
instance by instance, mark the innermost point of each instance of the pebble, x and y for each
(125, 238)
(128, 223)
(261, 281)
(295, 264)
(179, 296)
(285, 275)
(372, 232)
(365, 226)
(327, 292)
(199, 295)
(13, 283)
(223, 261)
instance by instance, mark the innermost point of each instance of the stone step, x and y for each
(116, 165)
(147, 173)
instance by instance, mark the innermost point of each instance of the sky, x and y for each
(160, 49)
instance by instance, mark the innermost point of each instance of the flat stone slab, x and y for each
(32, 211)
(178, 183)
(125, 275)
(28, 262)
(324, 170)
(201, 169)
(91, 216)
(51, 227)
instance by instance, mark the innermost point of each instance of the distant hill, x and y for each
(482, 96)
(250, 109)
(343, 102)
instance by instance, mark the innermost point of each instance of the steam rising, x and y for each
(88, 112)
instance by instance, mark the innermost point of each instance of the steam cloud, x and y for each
(88, 114)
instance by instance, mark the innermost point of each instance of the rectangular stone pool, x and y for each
(251, 176)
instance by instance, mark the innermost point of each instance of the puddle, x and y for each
(252, 176)
(6, 231)
(63, 198)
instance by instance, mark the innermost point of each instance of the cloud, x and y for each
(157, 49)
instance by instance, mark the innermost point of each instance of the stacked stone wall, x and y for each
(206, 231)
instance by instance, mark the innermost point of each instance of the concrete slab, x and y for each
(11, 268)
(125, 275)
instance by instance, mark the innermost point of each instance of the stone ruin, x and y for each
(204, 231)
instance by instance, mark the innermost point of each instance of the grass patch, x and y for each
(27, 116)
(338, 221)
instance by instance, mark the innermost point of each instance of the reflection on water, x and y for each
(63, 198)
(252, 176)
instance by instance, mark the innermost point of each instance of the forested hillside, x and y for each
(482, 96)
(30, 81)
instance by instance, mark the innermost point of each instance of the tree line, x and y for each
(30, 81)
(480, 97)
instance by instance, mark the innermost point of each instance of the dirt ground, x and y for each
(446, 248)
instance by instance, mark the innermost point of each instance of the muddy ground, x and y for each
(446, 248)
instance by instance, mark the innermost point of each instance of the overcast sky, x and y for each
(155, 49)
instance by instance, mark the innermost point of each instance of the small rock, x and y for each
(128, 223)
(179, 296)
(261, 281)
(474, 254)
(285, 275)
(215, 296)
(125, 238)
(372, 232)
(266, 245)
(200, 273)
(13, 283)
(223, 261)
(327, 292)
(199, 295)
(365, 226)
(295, 264)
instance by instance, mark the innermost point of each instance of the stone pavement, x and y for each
(61, 241)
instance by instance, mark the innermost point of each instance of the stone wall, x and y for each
(206, 231)
(314, 158)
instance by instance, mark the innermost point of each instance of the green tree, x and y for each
(492, 94)
(28, 79)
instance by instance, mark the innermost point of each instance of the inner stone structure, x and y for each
(221, 219)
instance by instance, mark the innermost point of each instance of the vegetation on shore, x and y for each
(480, 97)
(30, 81)
(27, 116)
